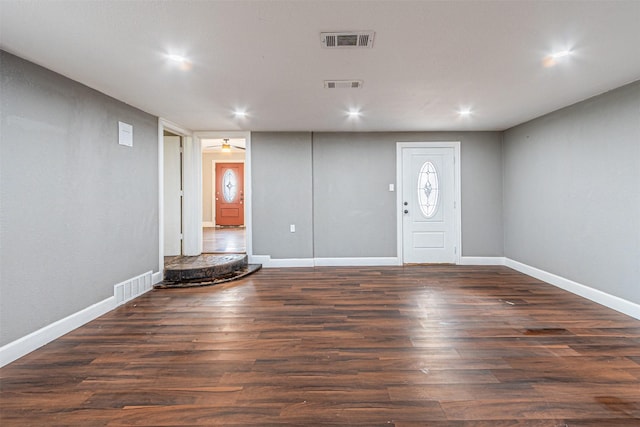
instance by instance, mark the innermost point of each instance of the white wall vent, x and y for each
(129, 289)
(347, 39)
(343, 84)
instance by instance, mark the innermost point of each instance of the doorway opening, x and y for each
(223, 195)
(172, 194)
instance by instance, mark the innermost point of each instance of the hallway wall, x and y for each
(79, 211)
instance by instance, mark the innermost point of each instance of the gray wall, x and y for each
(344, 178)
(79, 213)
(281, 179)
(572, 193)
(354, 212)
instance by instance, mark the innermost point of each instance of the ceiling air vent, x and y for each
(347, 39)
(343, 84)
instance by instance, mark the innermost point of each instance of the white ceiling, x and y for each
(429, 58)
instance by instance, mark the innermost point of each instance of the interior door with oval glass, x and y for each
(428, 208)
(230, 194)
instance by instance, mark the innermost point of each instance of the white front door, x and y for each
(428, 212)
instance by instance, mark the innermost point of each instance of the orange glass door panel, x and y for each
(229, 193)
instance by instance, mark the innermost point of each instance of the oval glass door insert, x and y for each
(229, 185)
(428, 191)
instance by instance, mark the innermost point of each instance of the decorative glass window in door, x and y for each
(428, 191)
(229, 185)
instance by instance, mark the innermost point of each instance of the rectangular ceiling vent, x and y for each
(343, 84)
(347, 39)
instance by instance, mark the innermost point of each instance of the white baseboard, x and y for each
(122, 293)
(25, 345)
(259, 259)
(357, 262)
(291, 262)
(478, 260)
(208, 224)
(611, 301)
(268, 262)
(156, 277)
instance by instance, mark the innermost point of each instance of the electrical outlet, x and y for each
(292, 228)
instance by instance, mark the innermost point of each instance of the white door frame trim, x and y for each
(248, 223)
(457, 192)
(180, 131)
(192, 196)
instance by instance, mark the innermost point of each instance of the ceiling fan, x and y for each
(226, 146)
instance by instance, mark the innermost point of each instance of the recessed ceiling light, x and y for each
(553, 58)
(182, 61)
(353, 113)
(464, 112)
(240, 113)
(177, 58)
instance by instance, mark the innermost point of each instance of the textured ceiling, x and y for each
(429, 59)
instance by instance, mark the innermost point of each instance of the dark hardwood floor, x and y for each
(391, 346)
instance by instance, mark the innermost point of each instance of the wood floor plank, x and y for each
(455, 346)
